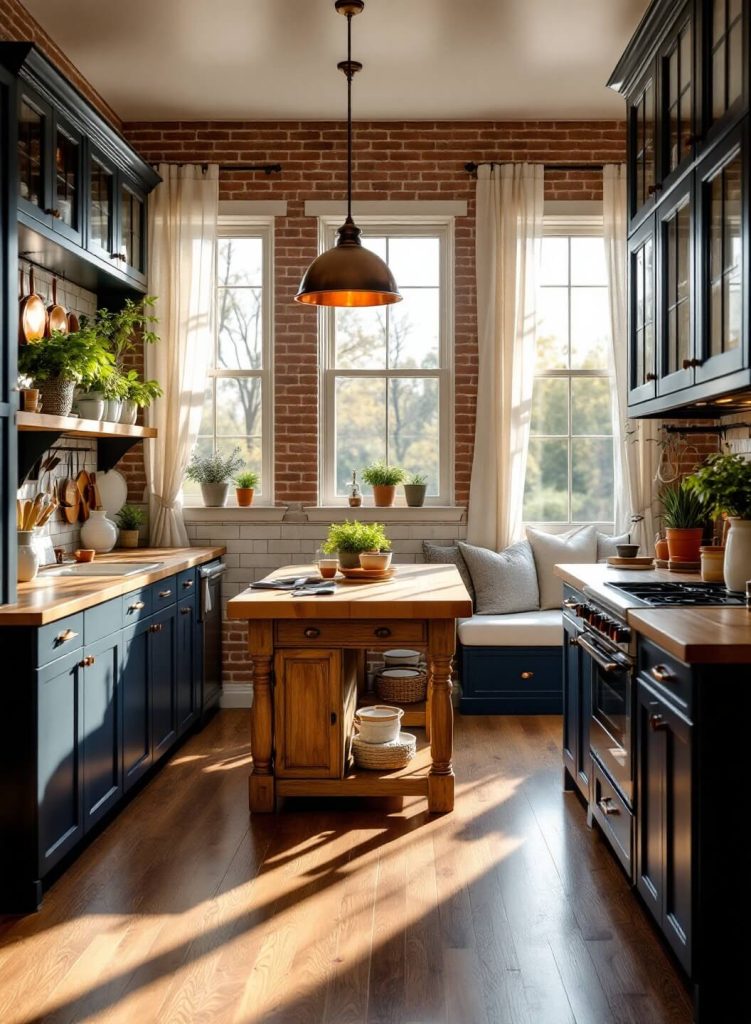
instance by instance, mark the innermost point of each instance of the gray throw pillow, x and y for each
(504, 582)
(606, 545)
(442, 554)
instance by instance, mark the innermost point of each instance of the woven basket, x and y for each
(402, 689)
(56, 396)
(384, 756)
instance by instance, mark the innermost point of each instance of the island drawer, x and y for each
(136, 606)
(102, 620)
(186, 582)
(666, 675)
(59, 638)
(613, 816)
(346, 633)
(163, 593)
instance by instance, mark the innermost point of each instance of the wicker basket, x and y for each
(56, 396)
(401, 685)
(384, 756)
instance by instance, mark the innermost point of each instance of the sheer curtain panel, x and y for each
(183, 212)
(507, 246)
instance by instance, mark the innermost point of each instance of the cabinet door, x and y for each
(641, 319)
(34, 154)
(187, 693)
(307, 698)
(136, 702)
(675, 275)
(642, 172)
(100, 225)
(577, 709)
(725, 58)
(8, 348)
(59, 759)
(650, 853)
(722, 185)
(676, 97)
(131, 246)
(162, 646)
(102, 726)
(67, 192)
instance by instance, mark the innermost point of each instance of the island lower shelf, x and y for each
(409, 781)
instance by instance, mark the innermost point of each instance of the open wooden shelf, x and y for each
(75, 427)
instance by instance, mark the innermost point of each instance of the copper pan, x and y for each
(57, 315)
(32, 316)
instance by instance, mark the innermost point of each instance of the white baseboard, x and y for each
(236, 695)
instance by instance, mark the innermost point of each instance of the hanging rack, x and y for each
(721, 429)
(266, 168)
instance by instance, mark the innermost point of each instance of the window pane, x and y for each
(415, 261)
(550, 407)
(376, 244)
(207, 415)
(240, 262)
(238, 406)
(588, 261)
(591, 406)
(590, 328)
(554, 261)
(552, 329)
(360, 430)
(414, 427)
(239, 328)
(546, 482)
(414, 329)
(592, 480)
(360, 338)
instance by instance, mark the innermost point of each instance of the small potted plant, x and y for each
(349, 538)
(245, 484)
(58, 363)
(129, 520)
(684, 515)
(415, 486)
(138, 394)
(214, 472)
(383, 479)
(724, 485)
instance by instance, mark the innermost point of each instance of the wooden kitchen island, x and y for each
(305, 651)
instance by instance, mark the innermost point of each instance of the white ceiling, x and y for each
(276, 59)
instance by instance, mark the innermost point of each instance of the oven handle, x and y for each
(597, 656)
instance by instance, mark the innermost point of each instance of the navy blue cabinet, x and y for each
(577, 709)
(187, 665)
(102, 728)
(162, 636)
(136, 703)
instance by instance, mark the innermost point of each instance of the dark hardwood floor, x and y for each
(508, 911)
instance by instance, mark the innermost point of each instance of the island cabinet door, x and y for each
(186, 665)
(102, 726)
(162, 642)
(136, 702)
(308, 714)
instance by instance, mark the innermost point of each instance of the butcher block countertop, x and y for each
(708, 635)
(48, 598)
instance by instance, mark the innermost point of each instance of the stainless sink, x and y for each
(101, 568)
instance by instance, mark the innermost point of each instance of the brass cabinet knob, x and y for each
(165, 593)
(661, 673)
(136, 606)
(650, 376)
(65, 636)
(382, 631)
(311, 632)
(527, 675)
(185, 611)
(658, 723)
(688, 364)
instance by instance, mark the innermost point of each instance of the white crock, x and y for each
(379, 724)
(129, 412)
(112, 409)
(98, 532)
(28, 559)
(737, 567)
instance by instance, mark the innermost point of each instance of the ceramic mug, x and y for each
(84, 554)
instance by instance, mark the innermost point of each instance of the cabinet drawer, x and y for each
(102, 620)
(613, 817)
(346, 633)
(163, 593)
(186, 583)
(59, 638)
(668, 676)
(136, 605)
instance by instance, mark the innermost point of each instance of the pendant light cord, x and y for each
(349, 116)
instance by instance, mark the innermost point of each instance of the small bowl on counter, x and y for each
(379, 560)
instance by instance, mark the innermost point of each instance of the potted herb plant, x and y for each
(114, 387)
(129, 519)
(383, 479)
(138, 395)
(724, 485)
(214, 472)
(684, 514)
(349, 538)
(415, 486)
(245, 484)
(58, 363)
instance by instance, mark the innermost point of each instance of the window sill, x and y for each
(393, 514)
(234, 514)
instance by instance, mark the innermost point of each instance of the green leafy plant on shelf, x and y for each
(142, 392)
(130, 517)
(416, 480)
(724, 485)
(354, 536)
(78, 357)
(122, 328)
(682, 507)
(379, 474)
(247, 479)
(214, 468)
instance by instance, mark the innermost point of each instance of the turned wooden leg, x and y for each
(441, 645)
(261, 782)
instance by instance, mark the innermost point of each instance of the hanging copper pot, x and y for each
(57, 315)
(32, 316)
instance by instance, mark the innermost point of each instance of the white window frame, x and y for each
(246, 226)
(394, 226)
(581, 219)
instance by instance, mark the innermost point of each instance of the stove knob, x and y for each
(605, 624)
(623, 635)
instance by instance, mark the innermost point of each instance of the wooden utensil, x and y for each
(95, 499)
(83, 483)
(32, 316)
(57, 315)
(74, 324)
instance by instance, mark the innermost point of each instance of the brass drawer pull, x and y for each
(607, 806)
(187, 584)
(88, 660)
(382, 631)
(661, 673)
(311, 632)
(527, 675)
(156, 627)
(165, 593)
(658, 723)
(650, 376)
(185, 611)
(136, 606)
(65, 636)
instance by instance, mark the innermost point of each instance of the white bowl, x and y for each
(375, 560)
(401, 656)
(380, 723)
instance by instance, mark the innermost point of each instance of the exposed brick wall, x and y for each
(393, 160)
(17, 25)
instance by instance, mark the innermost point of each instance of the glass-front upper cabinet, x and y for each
(726, 58)
(676, 276)
(723, 210)
(641, 319)
(67, 191)
(100, 236)
(641, 146)
(676, 64)
(34, 120)
(132, 248)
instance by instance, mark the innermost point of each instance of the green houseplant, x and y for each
(129, 519)
(245, 484)
(349, 538)
(724, 485)
(684, 514)
(214, 472)
(56, 364)
(139, 394)
(383, 479)
(415, 486)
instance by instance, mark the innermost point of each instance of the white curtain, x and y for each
(183, 212)
(508, 236)
(637, 451)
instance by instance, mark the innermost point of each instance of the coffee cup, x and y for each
(327, 567)
(84, 554)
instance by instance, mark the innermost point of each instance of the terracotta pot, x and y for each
(684, 544)
(384, 495)
(661, 550)
(244, 496)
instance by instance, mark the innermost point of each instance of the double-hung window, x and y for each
(569, 477)
(386, 371)
(238, 401)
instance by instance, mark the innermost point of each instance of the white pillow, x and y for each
(578, 546)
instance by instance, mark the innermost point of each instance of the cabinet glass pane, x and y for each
(131, 228)
(101, 206)
(67, 183)
(643, 145)
(643, 331)
(677, 98)
(30, 159)
(726, 55)
(725, 258)
(677, 239)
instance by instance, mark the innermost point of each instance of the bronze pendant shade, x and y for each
(348, 274)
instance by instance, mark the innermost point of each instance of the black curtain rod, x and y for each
(266, 168)
(471, 167)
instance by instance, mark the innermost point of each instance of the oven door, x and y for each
(610, 724)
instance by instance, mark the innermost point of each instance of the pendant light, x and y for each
(348, 274)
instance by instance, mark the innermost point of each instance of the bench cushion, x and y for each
(521, 629)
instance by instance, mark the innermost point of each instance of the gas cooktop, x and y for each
(661, 594)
